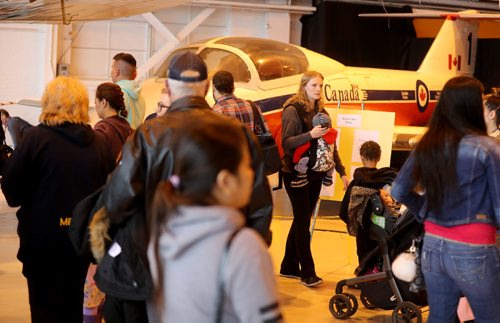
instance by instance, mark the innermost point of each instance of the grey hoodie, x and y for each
(191, 247)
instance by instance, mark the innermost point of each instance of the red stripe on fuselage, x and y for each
(407, 114)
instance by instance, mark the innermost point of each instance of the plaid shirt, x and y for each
(240, 109)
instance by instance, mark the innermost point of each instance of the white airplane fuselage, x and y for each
(412, 95)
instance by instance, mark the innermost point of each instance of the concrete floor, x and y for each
(333, 251)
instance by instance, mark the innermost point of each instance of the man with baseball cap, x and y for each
(127, 197)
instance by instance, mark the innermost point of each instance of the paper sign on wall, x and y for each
(349, 120)
(354, 128)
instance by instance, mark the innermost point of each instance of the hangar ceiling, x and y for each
(449, 5)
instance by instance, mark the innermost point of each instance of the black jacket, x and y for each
(375, 178)
(50, 171)
(128, 195)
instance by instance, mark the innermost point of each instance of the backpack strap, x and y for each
(258, 119)
(220, 289)
(301, 113)
(314, 142)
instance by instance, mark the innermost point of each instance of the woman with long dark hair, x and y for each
(452, 183)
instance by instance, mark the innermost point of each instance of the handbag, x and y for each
(78, 230)
(406, 266)
(5, 153)
(270, 152)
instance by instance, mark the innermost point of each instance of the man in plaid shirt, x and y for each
(228, 104)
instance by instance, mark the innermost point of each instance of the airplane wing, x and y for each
(66, 11)
(465, 15)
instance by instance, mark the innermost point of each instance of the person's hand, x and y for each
(345, 180)
(318, 131)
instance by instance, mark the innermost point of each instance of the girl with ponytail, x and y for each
(194, 215)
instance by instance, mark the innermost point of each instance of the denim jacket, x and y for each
(478, 173)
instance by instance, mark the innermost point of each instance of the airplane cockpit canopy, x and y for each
(272, 59)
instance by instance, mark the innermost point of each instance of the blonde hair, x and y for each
(65, 100)
(301, 95)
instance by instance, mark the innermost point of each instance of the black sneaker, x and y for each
(295, 274)
(311, 281)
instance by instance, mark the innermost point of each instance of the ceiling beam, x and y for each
(162, 53)
(253, 6)
(455, 5)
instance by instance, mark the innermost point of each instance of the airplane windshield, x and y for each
(161, 72)
(272, 59)
(218, 59)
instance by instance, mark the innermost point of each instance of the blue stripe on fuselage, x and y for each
(273, 103)
(276, 103)
(388, 95)
(395, 95)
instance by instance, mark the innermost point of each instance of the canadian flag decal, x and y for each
(454, 62)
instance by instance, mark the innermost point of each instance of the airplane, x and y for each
(268, 72)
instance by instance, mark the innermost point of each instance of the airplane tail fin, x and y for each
(454, 48)
(453, 51)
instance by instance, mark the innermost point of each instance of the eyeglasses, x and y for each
(162, 106)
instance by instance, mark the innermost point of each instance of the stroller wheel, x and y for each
(366, 302)
(406, 312)
(353, 301)
(340, 306)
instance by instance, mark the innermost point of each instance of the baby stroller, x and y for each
(381, 289)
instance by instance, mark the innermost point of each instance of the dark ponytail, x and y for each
(113, 94)
(492, 103)
(200, 150)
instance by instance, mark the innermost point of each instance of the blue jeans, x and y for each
(451, 269)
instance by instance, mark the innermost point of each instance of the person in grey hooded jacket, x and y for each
(204, 263)
(123, 73)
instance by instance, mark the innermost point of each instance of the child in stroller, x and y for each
(394, 233)
(355, 206)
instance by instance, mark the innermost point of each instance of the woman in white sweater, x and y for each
(195, 220)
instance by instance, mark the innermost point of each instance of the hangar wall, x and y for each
(26, 60)
(30, 61)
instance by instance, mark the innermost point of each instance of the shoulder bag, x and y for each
(220, 289)
(270, 151)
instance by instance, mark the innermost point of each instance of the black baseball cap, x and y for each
(187, 67)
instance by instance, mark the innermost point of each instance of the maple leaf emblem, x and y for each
(422, 94)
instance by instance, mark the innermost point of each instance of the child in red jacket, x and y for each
(318, 156)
